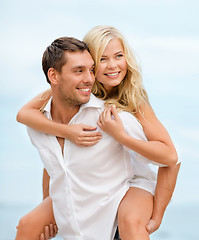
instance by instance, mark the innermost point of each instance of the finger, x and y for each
(108, 114)
(42, 237)
(46, 231)
(148, 228)
(91, 134)
(89, 128)
(89, 139)
(151, 226)
(99, 123)
(88, 144)
(114, 112)
(105, 115)
(55, 229)
(51, 230)
(100, 118)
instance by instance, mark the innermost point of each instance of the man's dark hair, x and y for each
(54, 56)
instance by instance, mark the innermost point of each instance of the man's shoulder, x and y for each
(38, 139)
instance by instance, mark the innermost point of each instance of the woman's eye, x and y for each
(102, 59)
(119, 56)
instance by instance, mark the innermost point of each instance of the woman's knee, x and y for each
(25, 229)
(131, 223)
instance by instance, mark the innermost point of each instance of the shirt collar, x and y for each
(47, 109)
(94, 102)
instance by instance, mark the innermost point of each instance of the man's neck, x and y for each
(62, 113)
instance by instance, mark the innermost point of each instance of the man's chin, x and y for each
(84, 99)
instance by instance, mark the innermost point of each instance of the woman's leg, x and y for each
(134, 213)
(32, 224)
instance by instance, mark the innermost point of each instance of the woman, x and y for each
(119, 82)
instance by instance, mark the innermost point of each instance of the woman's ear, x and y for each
(52, 76)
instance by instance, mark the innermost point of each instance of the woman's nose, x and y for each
(112, 63)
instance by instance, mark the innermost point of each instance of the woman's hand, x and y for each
(153, 225)
(82, 135)
(110, 122)
(49, 232)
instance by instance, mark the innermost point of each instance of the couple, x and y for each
(101, 164)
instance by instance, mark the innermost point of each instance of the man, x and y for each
(86, 185)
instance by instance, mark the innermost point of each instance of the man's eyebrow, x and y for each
(79, 66)
(82, 66)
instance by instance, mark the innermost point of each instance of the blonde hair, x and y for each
(45, 96)
(130, 93)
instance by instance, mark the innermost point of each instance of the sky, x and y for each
(165, 38)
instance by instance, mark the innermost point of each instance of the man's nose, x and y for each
(89, 77)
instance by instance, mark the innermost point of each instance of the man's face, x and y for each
(76, 78)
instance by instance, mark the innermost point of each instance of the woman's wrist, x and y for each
(158, 210)
(122, 138)
(60, 130)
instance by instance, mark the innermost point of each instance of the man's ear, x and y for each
(52, 76)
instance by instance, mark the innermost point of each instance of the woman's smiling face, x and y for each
(113, 66)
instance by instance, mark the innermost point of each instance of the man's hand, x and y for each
(153, 225)
(49, 232)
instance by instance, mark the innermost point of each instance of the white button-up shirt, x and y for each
(88, 183)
